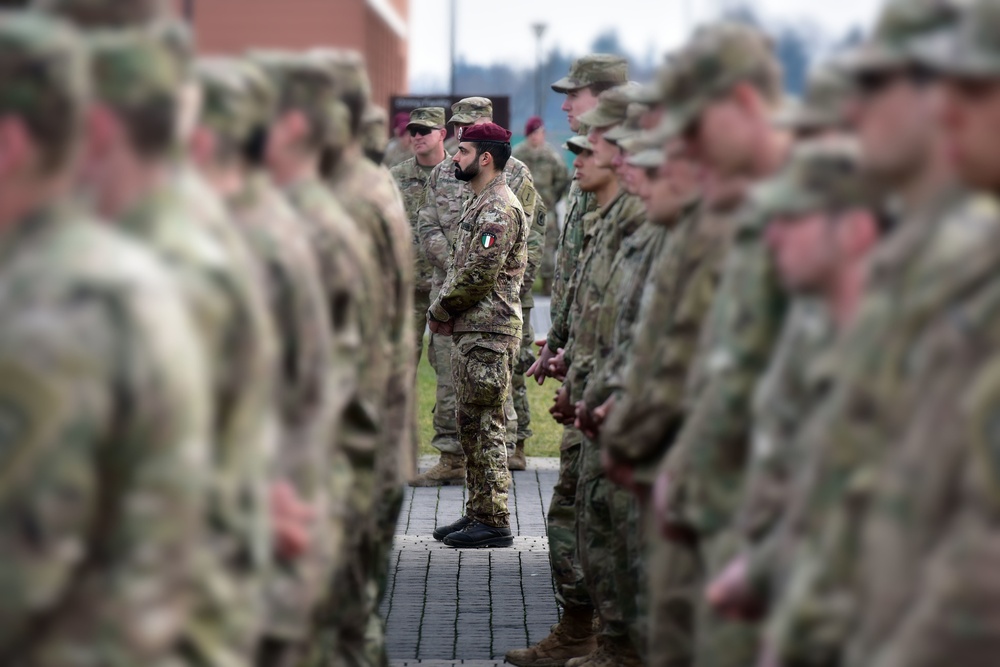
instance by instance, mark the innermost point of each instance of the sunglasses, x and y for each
(874, 82)
(421, 131)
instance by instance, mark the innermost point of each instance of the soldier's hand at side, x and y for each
(669, 527)
(539, 368)
(440, 328)
(562, 410)
(585, 421)
(291, 517)
(557, 366)
(730, 594)
(602, 411)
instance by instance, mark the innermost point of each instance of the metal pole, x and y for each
(453, 73)
(539, 29)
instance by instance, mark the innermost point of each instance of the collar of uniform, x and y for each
(34, 224)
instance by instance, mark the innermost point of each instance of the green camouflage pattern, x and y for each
(412, 179)
(106, 429)
(612, 108)
(482, 363)
(396, 153)
(132, 69)
(829, 91)
(579, 204)
(482, 289)
(905, 28)
(471, 109)
(551, 178)
(432, 117)
(94, 14)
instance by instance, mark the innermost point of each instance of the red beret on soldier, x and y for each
(486, 132)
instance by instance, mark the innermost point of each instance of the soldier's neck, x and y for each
(482, 181)
(294, 171)
(927, 182)
(227, 180)
(19, 201)
(132, 185)
(607, 193)
(432, 160)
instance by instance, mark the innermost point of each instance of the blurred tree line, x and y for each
(798, 45)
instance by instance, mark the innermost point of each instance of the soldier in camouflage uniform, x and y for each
(723, 63)
(400, 148)
(370, 195)
(444, 202)
(239, 104)
(479, 305)
(823, 109)
(137, 82)
(574, 635)
(426, 129)
(820, 233)
(104, 392)
(548, 169)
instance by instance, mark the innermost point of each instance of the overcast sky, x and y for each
(500, 31)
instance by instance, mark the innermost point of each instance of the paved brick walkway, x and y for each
(468, 607)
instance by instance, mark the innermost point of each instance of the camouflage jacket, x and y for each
(734, 350)
(445, 201)
(106, 431)
(567, 259)
(412, 181)
(396, 153)
(651, 404)
(298, 304)
(606, 230)
(482, 289)
(932, 283)
(620, 310)
(372, 199)
(548, 169)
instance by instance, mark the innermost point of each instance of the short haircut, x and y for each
(599, 87)
(151, 126)
(499, 151)
(768, 81)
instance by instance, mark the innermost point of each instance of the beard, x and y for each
(466, 175)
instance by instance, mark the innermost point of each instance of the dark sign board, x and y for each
(501, 105)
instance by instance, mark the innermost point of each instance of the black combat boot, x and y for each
(445, 531)
(476, 535)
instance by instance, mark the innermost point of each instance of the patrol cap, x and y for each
(432, 117)
(578, 144)
(644, 150)
(970, 48)
(350, 76)
(631, 126)
(132, 70)
(471, 109)
(820, 175)
(591, 69)
(718, 57)
(229, 106)
(902, 26)
(43, 69)
(611, 109)
(824, 104)
(108, 13)
(652, 93)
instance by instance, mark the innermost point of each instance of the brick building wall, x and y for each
(376, 28)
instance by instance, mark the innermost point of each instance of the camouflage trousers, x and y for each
(482, 364)
(421, 302)
(564, 557)
(548, 267)
(519, 386)
(607, 541)
(721, 642)
(439, 352)
(669, 598)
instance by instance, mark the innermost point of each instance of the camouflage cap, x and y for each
(229, 107)
(591, 69)
(631, 126)
(131, 70)
(306, 84)
(108, 13)
(578, 144)
(348, 70)
(820, 175)
(970, 48)
(653, 92)
(41, 59)
(471, 109)
(718, 57)
(432, 117)
(902, 26)
(824, 104)
(644, 150)
(611, 109)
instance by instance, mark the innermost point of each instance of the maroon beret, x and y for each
(400, 120)
(533, 125)
(486, 132)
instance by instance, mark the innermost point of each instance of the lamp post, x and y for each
(454, 9)
(539, 30)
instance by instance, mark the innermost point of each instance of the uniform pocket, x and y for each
(484, 373)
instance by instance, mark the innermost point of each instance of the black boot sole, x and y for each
(488, 543)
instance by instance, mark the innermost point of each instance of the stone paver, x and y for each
(468, 607)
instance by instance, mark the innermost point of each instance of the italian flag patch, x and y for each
(488, 240)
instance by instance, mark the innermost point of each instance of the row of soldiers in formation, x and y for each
(774, 322)
(206, 355)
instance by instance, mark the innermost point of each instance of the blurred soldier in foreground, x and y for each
(573, 636)
(104, 393)
(444, 202)
(375, 133)
(548, 169)
(371, 197)
(479, 305)
(130, 175)
(239, 104)
(426, 130)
